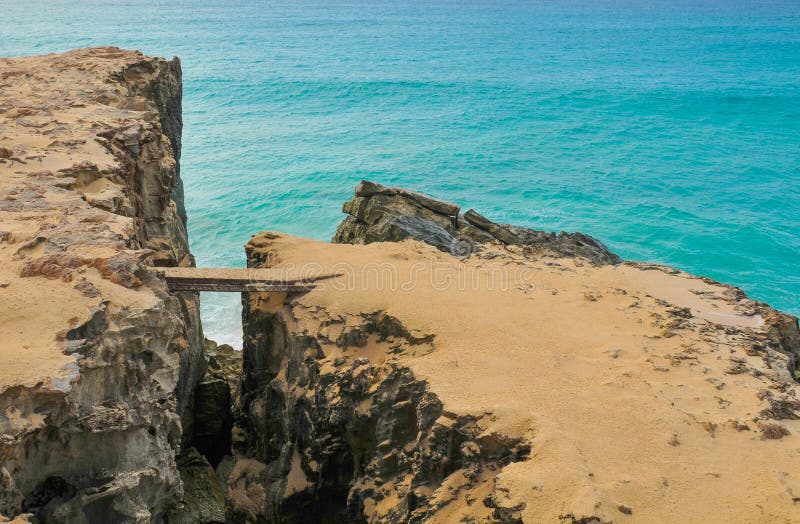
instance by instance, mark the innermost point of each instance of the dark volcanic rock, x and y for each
(203, 499)
(381, 214)
(216, 402)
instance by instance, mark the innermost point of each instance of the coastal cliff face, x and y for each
(516, 382)
(337, 428)
(98, 362)
(445, 368)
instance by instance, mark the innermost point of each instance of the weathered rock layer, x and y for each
(98, 362)
(381, 214)
(522, 383)
(446, 369)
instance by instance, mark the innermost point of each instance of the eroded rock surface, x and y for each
(466, 371)
(329, 435)
(512, 385)
(98, 363)
(203, 499)
(379, 214)
(217, 403)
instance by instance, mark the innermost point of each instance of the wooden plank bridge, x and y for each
(234, 280)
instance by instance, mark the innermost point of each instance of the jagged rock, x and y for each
(217, 402)
(434, 204)
(365, 188)
(97, 393)
(483, 223)
(403, 227)
(203, 500)
(320, 434)
(409, 399)
(380, 214)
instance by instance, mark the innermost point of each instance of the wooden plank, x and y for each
(227, 273)
(234, 280)
(227, 287)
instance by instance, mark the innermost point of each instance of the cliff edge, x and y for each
(98, 362)
(517, 382)
(445, 368)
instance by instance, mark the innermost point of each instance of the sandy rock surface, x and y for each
(515, 387)
(97, 361)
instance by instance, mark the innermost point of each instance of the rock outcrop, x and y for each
(328, 435)
(98, 362)
(509, 385)
(379, 214)
(445, 369)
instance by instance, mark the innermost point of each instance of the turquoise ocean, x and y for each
(669, 130)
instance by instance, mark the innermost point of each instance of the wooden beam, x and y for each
(234, 280)
(229, 287)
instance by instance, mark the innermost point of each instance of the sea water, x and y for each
(669, 130)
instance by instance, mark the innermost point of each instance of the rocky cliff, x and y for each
(98, 362)
(445, 368)
(533, 377)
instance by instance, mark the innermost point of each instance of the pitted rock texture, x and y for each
(380, 214)
(416, 386)
(98, 362)
(327, 435)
